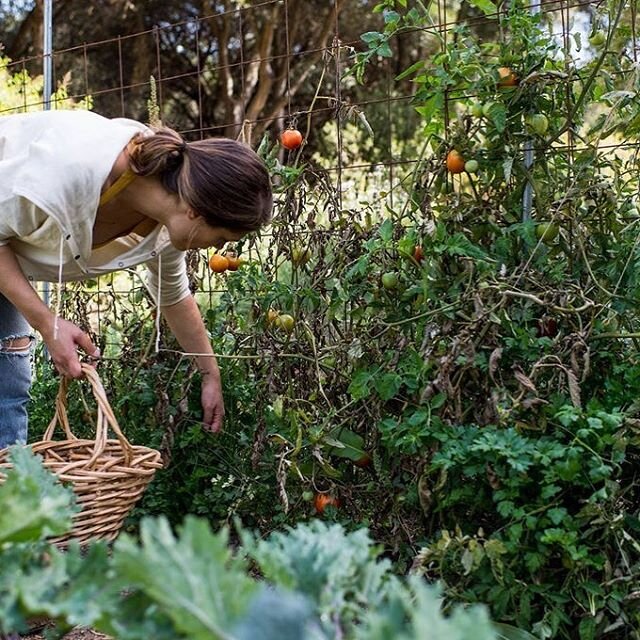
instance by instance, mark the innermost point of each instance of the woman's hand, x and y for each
(212, 402)
(63, 339)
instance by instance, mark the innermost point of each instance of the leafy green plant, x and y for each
(191, 585)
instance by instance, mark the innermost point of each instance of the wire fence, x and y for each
(183, 61)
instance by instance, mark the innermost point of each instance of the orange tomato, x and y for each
(507, 77)
(455, 162)
(418, 253)
(291, 139)
(218, 263)
(234, 261)
(322, 500)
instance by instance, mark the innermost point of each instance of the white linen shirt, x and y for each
(52, 167)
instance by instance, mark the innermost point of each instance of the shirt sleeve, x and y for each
(20, 218)
(167, 279)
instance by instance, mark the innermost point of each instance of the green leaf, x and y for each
(496, 113)
(508, 632)
(486, 6)
(388, 385)
(430, 107)
(360, 386)
(274, 614)
(347, 444)
(587, 628)
(557, 514)
(194, 578)
(33, 504)
(411, 69)
(386, 229)
(65, 588)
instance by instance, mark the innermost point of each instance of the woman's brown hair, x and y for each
(221, 179)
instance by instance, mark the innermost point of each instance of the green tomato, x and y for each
(537, 123)
(285, 322)
(471, 166)
(390, 280)
(597, 39)
(300, 256)
(547, 231)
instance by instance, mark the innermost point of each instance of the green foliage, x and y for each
(190, 585)
(35, 505)
(336, 570)
(201, 602)
(20, 92)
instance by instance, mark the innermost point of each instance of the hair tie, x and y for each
(177, 155)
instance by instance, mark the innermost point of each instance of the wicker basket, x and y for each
(108, 476)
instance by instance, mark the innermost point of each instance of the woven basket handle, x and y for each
(105, 419)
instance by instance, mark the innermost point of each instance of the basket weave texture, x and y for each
(108, 476)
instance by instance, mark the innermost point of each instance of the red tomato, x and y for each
(322, 500)
(291, 139)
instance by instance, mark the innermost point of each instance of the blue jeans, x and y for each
(15, 374)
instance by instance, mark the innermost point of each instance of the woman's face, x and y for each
(190, 231)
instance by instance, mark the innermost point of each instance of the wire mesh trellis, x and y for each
(188, 58)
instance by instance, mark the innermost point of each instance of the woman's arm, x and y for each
(185, 321)
(61, 337)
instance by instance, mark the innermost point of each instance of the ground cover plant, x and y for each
(318, 580)
(452, 363)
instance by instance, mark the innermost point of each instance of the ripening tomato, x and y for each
(324, 500)
(537, 123)
(291, 139)
(234, 261)
(218, 263)
(455, 162)
(418, 253)
(507, 78)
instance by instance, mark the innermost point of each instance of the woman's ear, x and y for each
(191, 214)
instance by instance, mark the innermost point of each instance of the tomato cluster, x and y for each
(219, 263)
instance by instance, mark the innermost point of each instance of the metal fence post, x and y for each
(47, 72)
(529, 153)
